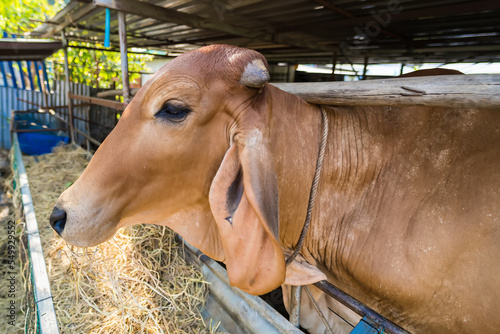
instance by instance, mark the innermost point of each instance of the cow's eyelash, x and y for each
(172, 112)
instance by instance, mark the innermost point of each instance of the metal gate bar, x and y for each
(359, 308)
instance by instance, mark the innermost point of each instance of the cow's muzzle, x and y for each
(58, 220)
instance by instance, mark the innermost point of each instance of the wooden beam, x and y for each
(54, 107)
(84, 119)
(117, 50)
(90, 139)
(169, 15)
(59, 15)
(460, 91)
(100, 102)
(114, 92)
(294, 306)
(70, 19)
(334, 65)
(334, 8)
(122, 28)
(68, 87)
(40, 130)
(40, 279)
(426, 50)
(365, 68)
(129, 34)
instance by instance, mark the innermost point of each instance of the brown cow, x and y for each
(406, 217)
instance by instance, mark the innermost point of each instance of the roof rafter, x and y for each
(438, 11)
(168, 15)
(351, 17)
(71, 19)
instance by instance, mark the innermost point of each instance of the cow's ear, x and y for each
(244, 202)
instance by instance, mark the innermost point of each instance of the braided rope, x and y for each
(314, 188)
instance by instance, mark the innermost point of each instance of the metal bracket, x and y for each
(366, 326)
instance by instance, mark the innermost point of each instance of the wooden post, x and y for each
(295, 305)
(365, 67)
(122, 29)
(334, 65)
(290, 77)
(45, 83)
(68, 87)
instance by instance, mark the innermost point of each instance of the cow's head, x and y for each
(191, 151)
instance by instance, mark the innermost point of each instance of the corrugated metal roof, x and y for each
(406, 31)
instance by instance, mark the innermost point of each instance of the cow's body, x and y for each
(407, 211)
(406, 217)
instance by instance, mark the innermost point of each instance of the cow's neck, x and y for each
(353, 159)
(357, 152)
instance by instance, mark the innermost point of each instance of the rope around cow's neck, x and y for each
(314, 188)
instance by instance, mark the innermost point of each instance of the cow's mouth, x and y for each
(68, 226)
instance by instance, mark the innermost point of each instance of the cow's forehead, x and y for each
(174, 86)
(213, 62)
(183, 68)
(169, 80)
(192, 74)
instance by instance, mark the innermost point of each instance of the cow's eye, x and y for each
(172, 112)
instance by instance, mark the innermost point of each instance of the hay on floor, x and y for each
(138, 282)
(12, 290)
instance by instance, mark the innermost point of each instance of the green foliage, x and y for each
(96, 68)
(100, 69)
(19, 17)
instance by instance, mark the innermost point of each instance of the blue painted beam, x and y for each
(107, 28)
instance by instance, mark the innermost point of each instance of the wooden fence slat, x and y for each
(41, 285)
(101, 102)
(460, 91)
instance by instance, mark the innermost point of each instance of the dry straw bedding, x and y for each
(11, 288)
(136, 283)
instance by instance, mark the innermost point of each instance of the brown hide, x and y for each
(409, 212)
(406, 218)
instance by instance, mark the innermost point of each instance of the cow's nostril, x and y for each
(58, 220)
